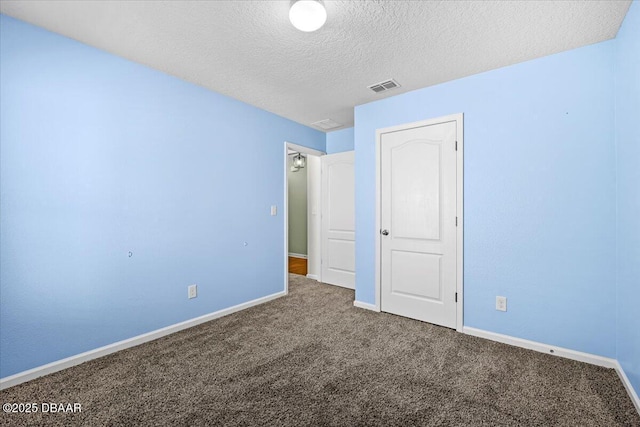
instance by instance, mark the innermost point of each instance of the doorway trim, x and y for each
(458, 118)
(285, 206)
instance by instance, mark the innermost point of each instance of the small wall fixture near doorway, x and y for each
(419, 213)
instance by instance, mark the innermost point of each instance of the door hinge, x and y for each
(456, 145)
(456, 297)
(456, 221)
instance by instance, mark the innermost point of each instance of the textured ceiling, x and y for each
(248, 49)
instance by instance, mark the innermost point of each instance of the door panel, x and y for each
(407, 266)
(416, 191)
(418, 255)
(341, 209)
(338, 220)
(341, 255)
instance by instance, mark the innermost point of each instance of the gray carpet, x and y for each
(311, 358)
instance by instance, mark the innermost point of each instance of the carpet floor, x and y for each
(311, 358)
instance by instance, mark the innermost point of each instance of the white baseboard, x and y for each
(627, 384)
(543, 348)
(365, 305)
(561, 352)
(294, 255)
(312, 276)
(59, 365)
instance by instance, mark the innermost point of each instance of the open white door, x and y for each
(418, 221)
(338, 220)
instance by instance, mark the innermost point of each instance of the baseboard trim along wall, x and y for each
(59, 365)
(312, 276)
(294, 255)
(542, 348)
(627, 384)
(365, 305)
(593, 359)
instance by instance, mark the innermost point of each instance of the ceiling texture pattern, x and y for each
(249, 50)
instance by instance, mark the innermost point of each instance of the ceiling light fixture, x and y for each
(298, 161)
(307, 15)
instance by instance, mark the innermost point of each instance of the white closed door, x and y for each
(418, 223)
(338, 220)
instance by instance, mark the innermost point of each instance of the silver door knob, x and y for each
(384, 232)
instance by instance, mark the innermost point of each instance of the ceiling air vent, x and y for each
(326, 124)
(384, 86)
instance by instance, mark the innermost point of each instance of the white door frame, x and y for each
(285, 208)
(458, 118)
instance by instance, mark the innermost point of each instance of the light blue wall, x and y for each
(627, 76)
(539, 194)
(101, 156)
(340, 140)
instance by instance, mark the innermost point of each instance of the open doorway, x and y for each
(302, 211)
(297, 208)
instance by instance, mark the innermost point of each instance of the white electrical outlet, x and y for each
(501, 303)
(192, 291)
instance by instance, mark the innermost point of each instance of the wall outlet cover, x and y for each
(192, 291)
(501, 303)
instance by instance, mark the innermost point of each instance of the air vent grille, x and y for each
(384, 86)
(326, 124)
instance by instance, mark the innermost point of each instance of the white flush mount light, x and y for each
(307, 15)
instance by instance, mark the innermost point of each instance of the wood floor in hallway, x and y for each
(298, 266)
